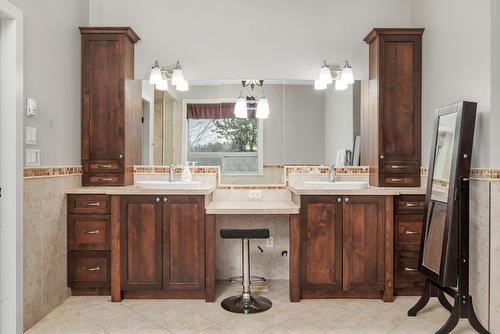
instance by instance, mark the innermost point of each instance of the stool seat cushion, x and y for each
(258, 233)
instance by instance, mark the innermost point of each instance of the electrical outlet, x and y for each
(32, 157)
(30, 136)
(254, 194)
(270, 241)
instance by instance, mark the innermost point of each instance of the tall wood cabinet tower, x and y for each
(111, 106)
(391, 118)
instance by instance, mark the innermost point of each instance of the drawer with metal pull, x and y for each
(407, 167)
(94, 203)
(102, 179)
(88, 269)
(408, 232)
(103, 166)
(400, 180)
(410, 204)
(89, 231)
(407, 269)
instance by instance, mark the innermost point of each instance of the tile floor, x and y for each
(96, 315)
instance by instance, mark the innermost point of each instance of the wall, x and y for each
(456, 65)
(264, 39)
(338, 125)
(52, 75)
(45, 245)
(495, 82)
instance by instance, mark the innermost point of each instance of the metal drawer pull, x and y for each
(92, 232)
(399, 167)
(412, 232)
(104, 166)
(92, 269)
(410, 269)
(106, 179)
(414, 205)
(93, 204)
(399, 179)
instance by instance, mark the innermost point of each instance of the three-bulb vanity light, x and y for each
(159, 77)
(343, 77)
(244, 104)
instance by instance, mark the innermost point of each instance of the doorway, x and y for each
(11, 168)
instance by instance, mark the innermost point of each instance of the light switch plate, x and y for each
(30, 136)
(31, 107)
(32, 157)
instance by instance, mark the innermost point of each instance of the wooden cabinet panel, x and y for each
(88, 269)
(89, 231)
(321, 245)
(364, 242)
(88, 204)
(141, 242)
(408, 232)
(184, 243)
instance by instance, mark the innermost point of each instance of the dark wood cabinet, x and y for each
(184, 246)
(321, 249)
(111, 106)
(342, 247)
(391, 116)
(141, 242)
(409, 217)
(364, 243)
(162, 246)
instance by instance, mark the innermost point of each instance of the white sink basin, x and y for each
(167, 184)
(340, 185)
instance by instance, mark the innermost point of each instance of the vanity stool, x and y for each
(245, 303)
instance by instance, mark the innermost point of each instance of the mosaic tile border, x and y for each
(34, 172)
(492, 174)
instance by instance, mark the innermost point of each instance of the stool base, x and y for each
(236, 304)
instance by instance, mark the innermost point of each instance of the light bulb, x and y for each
(340, 84)
(319, 85)
(183, 86)
(163, 84)
(262, 108)
(347, 74)
(325, 75)
(240, 108)
(177, 77)
(155, 76)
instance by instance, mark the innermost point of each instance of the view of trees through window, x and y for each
(223, 135)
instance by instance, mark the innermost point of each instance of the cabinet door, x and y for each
(141, 242)
(364, 242)
(103, 97)
(321, 245)
(400, 87)
(184, 246)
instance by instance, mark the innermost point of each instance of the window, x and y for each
(216, 138)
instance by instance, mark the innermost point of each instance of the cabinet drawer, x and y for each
(88, 203)
(89, 269)
(410, 204)
(409, 232)
(89, 232)
(103, 166)
(103, 179)
(407, 267)
(405, 167)
(400, 180)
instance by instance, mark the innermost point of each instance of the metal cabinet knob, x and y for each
(165, 199)
(339, 199)
(157, 199)
(346, 199)
(121, 156)
(381, 157)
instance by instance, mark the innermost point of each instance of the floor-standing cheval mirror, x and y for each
(444, 249)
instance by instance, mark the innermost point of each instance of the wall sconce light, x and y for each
(343, 77)
(159, 77)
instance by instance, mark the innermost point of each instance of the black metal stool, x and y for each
(246, 303)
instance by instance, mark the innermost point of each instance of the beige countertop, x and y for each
(252, 207)
(387, 191)
(201, 189)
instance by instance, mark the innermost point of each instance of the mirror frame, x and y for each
(460, 168)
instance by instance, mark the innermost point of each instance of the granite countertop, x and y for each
(388, 191)
(252, 207)
(201, 189)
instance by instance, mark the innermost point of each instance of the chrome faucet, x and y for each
(171, 175)
(332, 175)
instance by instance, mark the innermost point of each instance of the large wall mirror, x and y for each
(450, 161)
(305, 126)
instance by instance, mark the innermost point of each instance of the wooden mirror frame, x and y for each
(460, 168)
